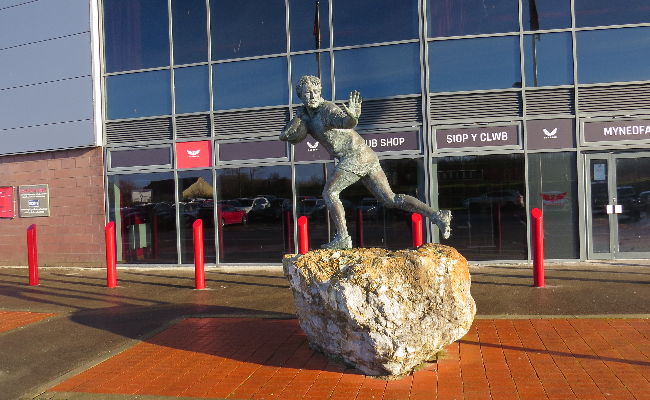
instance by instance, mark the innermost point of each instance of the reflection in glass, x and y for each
(486, 195)
(254, 83)
(546, 14)
(310, 180)
(142, 207)
(474, 64)
(607, 12)
(307, 64)
(471, 17)
(613, 55)
(374, 21)
(548, 59)
(191, 86)
(378, 71)
(633, 195)
(195, 201)
(266, 233)
(302, 25)
(553, 184)
(247, 28)
(136, 34)
(189, 31)
(142, 94)
(599, 201)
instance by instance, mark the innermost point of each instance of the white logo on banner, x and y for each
(194, 153)
(551, 134)
(312, 147)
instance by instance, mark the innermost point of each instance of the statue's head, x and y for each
(309, 89)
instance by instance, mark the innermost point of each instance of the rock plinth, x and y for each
(385, 312)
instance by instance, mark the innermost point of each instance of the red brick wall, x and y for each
(73, 234)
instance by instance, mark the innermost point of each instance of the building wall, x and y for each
(73, 234)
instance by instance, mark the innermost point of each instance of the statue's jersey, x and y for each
(333, 129)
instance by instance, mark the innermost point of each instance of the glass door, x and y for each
(618, 193)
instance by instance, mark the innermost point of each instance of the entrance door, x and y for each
(618, 191)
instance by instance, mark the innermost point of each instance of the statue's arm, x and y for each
(296, 130)
(350, 118)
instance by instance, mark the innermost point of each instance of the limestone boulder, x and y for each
(384, 312)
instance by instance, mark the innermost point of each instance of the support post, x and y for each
(416, 227)
(199, 260)
(303, 235)
(111, 254)
(359, 228)
(538, 247)
(32, 255)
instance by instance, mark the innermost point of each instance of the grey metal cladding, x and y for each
(60, 101)
(476, 105)
(550, 101)
(139, 130)
(250, 123)
(41, 62)
(47, 137)
(391, 111)
(42, 20)
(596, 99)
(193, 126)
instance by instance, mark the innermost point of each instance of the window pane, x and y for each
(142, 207)
(553, 182)
(613, 55)
(546, 14)
(254, 83)
(136, 34)
(374, 21)
(142, 94)
(607, 12)
(302, 24)
(247, 28)
(461, 64)
(486, 195)
(191, 88)
(264, 235)
(196, 202)
(307, 64)
(548, 59)
(472, 17)
(378, 71)
(190, 31)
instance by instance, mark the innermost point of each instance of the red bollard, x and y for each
(111, 255)
(359, 228)
(538, 247)
(303, 235)
(199, 260)
(416, 227)
(32, 255)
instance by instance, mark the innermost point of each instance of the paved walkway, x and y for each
(585, 336)
(239, 358)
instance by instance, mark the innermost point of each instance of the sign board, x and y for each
(250, 150)
(545, 134)
(478, 137)
(311, 150)
(616, 130)
(141, 196)
(7, 202)
(194, 154)
(34, 200)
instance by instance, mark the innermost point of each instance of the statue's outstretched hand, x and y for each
(353, 109)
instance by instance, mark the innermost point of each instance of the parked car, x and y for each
(252, 204)
(626, 196)
(275, 209)
(507, 199)
(231, 215)
(370, 207)
(313, 208)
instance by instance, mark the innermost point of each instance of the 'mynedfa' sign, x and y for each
(34, 200)
(614, 131)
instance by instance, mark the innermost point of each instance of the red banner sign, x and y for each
(194, 154)
(7, 202)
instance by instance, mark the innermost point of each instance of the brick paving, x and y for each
(240, 358)
(14, 319)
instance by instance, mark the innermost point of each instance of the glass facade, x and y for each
(495, 94)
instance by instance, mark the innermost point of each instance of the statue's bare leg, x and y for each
(377, 184)
(333, 187)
